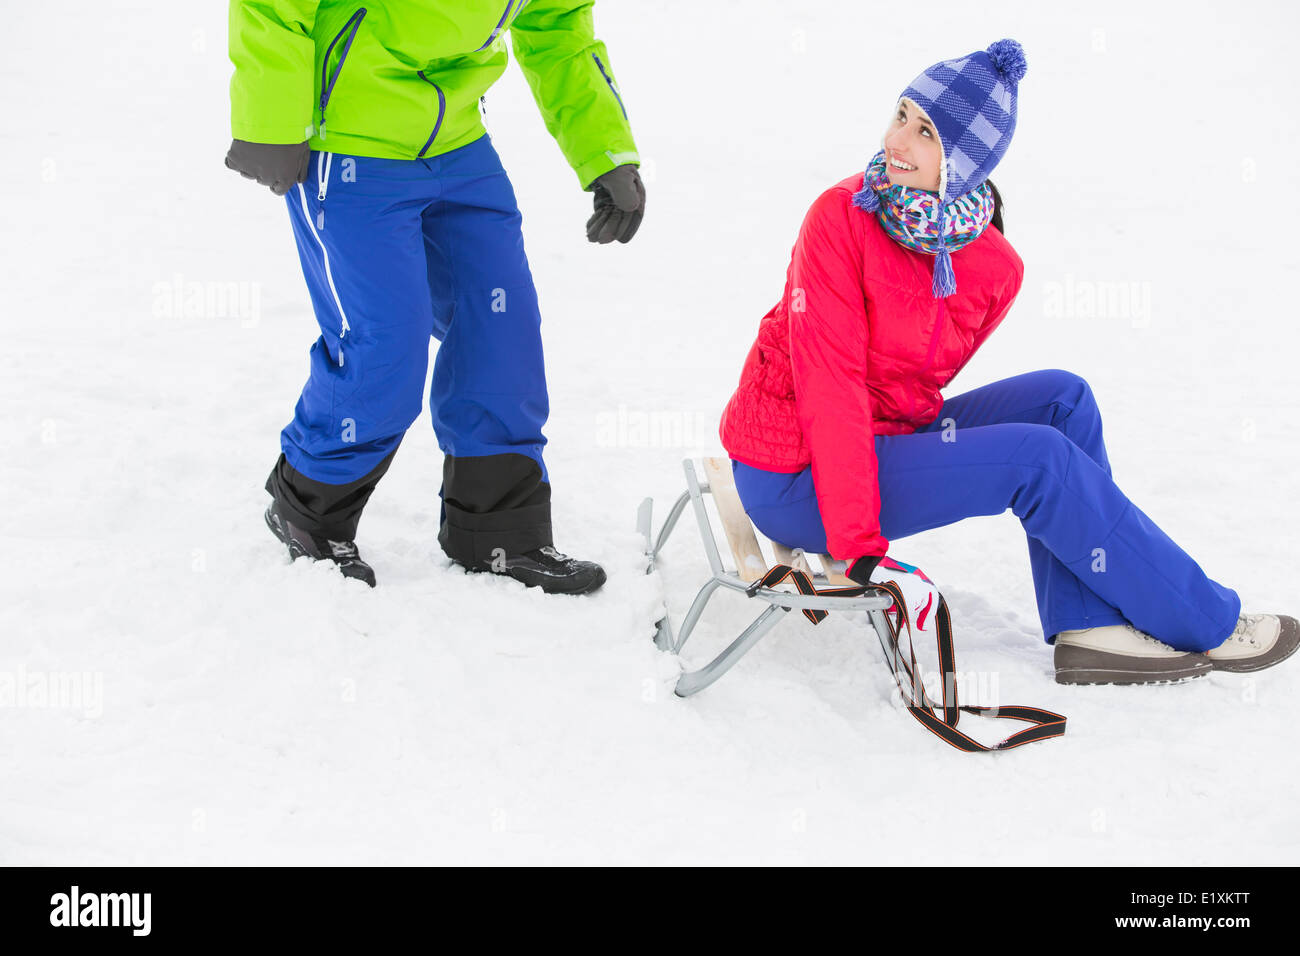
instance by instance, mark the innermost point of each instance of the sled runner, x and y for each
(816, 593)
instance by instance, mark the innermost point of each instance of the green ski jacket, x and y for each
(402, 79)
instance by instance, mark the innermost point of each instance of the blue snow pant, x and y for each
(1031, 443)
(396, 251)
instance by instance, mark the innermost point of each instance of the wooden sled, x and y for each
(750, 567)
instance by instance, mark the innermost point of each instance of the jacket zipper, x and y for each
(442, 109)
(500, 24)
(326, 80)
(609, 80)
(442, 98)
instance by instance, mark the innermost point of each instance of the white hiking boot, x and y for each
(1258, 641)
(1121, 654)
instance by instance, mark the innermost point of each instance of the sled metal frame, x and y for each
(779, 602)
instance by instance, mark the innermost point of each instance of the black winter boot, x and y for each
(300, 543)
(548, 569)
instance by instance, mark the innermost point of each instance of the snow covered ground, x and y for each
(237, 708)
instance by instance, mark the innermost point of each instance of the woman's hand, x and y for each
(919, 591)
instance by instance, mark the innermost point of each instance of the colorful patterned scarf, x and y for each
(917, 219)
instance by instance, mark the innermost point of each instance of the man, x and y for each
(367, 119)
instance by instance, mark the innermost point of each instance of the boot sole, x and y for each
(1082, 665)
(1288, 639)
(1127, 678)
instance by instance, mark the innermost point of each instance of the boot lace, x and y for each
(1244, 632)
(1145, 636)
(343, 549)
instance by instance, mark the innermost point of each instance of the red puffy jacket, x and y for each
(857, 347)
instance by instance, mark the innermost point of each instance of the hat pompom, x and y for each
(1008, 59)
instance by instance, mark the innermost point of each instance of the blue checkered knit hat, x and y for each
(972, 103)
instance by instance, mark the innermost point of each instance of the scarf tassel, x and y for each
(977, 206)
(945, 283)
(866, 198)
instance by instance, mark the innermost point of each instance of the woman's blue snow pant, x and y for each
(1031, 443)
(396, 251)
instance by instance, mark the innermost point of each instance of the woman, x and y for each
(840, 440)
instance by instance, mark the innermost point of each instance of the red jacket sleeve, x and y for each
(826, 304)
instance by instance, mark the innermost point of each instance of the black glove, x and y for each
(274, 165)
(860, 570)
(620, 204)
